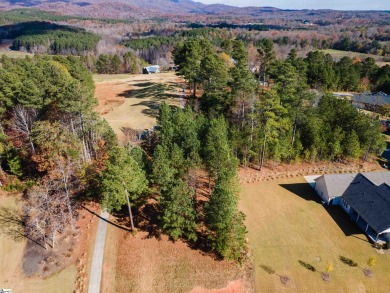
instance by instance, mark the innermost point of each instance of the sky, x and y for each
(309, 4)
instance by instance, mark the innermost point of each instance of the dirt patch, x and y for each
(274, 171)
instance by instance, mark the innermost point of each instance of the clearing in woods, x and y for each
(338, 54)
(288, 224)
(132, 101)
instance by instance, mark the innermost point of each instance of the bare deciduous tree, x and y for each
(22, 122)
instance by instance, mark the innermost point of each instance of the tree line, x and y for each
(273, 114)
(45, 37)
(50, 139)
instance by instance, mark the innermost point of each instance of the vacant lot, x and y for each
(12, 245)
(338, 54)
(144, 264)
(287, 224)
(132, 101)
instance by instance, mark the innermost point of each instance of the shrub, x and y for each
(348, 261)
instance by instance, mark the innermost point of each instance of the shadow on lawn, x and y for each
(305, 191)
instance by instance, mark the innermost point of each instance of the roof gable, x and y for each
(370, 201)
(337, 184)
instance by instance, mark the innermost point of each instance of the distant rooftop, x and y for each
(378, 98)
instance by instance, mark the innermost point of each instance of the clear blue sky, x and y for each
(310, 4)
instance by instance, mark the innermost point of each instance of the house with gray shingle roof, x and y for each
(365, 197)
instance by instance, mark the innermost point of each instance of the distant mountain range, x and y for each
(133, 8)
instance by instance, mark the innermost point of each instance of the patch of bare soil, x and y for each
(274, 171)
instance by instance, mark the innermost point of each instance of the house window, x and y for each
(345, 204)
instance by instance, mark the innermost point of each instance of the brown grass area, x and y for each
(132, 101)
(287, 224)
(274, 171)
(63, 270)
(158, 265)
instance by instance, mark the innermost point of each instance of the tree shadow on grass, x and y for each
(155, 90)
(12, 226)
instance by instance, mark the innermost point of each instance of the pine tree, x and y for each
(224, 221)
(122, 182)
(178, 214)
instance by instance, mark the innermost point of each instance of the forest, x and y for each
(288, 121)
(45, 37)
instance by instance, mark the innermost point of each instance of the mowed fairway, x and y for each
(286, 223)
(11, 255)
(132, 101)
(338, 54)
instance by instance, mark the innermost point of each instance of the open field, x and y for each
(338, 54)
(11, 257)
(5, 50)
(287, 224)
(144, 263)
(14, 54)
(132, 101)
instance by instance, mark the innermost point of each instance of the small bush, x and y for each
(268, 269)
(348, 261)
(371, 261)
(308, 266)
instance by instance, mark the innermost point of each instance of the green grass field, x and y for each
(338, 54)
(15, 54)
(286, 225)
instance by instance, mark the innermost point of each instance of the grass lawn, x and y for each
(287, 224)
(11, 258)
(132, 101)
(338, 54)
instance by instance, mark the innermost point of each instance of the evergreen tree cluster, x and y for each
(44, 37)
(178, 159)
(273, 113)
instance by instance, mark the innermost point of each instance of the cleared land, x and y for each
(287, 224)
(132, 101)
(338, 54)
(145, 263)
